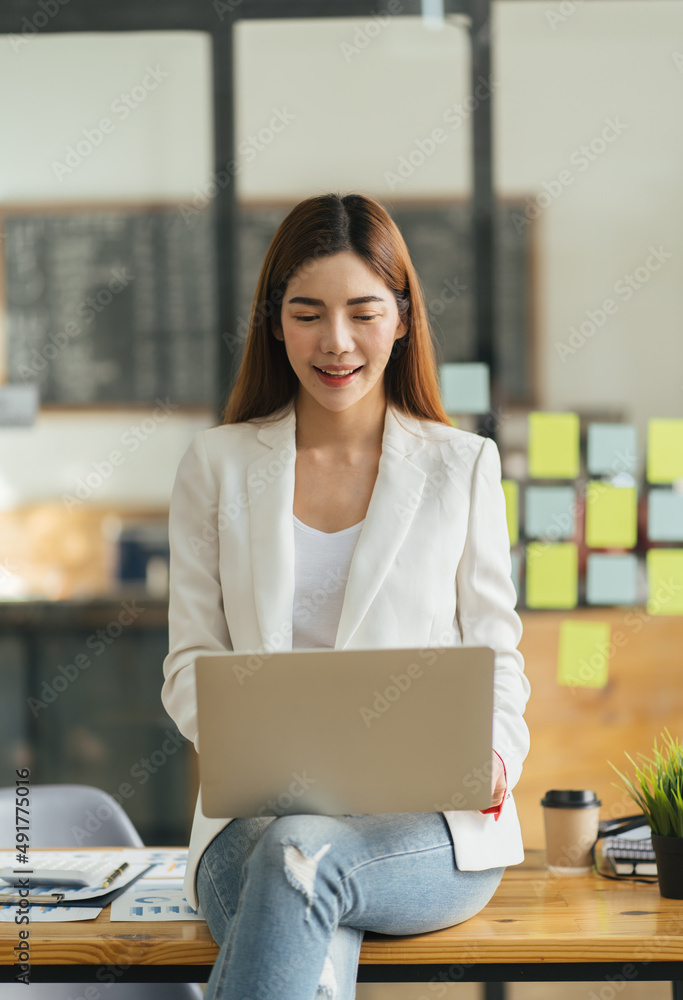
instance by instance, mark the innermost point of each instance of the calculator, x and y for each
(59, 868)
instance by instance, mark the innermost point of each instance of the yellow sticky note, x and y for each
(553, 445)
(665, 581)
(454, 422)
(611, 516)
(664, 450)
(511, 491)
(583, 655)
(551, 575)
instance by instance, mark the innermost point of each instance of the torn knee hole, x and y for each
(328, 981)
(301, 868)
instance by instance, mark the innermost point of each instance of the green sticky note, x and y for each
(511, 491)
(553, 445)
(611, 516)
(551, 575)
(664, 450)
(665, 581)
(583, 656)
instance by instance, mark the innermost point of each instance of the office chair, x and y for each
(60, 815)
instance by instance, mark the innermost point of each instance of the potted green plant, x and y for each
(658, 790)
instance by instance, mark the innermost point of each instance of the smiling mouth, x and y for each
(337, 374)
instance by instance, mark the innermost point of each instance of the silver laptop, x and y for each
(345, 731)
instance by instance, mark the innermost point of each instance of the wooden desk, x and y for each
(538, 926)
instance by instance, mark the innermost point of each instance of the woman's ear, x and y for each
(403, 328)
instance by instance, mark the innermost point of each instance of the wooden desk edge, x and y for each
(577, 910)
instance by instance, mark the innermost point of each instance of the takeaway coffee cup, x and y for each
(571, 829)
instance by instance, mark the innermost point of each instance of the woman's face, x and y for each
(325, 325)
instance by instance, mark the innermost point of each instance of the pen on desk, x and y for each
(45, 898)
(110, 878)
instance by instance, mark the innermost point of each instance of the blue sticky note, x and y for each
(516, 572)
(665, 516)
(611, 449)
(465, 388)
(612, 579)
(549, 512)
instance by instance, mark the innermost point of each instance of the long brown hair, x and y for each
(320, 227)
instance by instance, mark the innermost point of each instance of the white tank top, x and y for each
(321, 568)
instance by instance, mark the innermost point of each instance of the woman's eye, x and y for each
(305, 319)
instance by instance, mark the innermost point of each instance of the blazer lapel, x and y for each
(270, 486)
(390, 513)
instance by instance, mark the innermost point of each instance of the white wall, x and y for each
(556, 83)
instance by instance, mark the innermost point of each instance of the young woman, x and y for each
(336, 506)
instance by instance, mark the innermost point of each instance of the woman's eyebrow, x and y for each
(350, 302)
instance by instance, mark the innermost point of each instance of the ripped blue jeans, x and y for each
(287, 898)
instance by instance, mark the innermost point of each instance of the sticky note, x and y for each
(611, 578)
(611, 516)
(516, 569)
(551, 575)
(454, 423)
(665, 516)
(664, 450)
(611, 449)
(465, 387)
(511, 491)
(583, 654)
(665, 581)
(553, 445)
(549, 512)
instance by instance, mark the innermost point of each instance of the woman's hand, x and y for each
(499, 779)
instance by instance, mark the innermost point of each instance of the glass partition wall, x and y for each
(135, 149)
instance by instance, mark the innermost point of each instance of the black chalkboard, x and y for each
(111, 305)
(439, 241)
(118, 305)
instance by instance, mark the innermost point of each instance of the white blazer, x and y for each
(431, 567)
